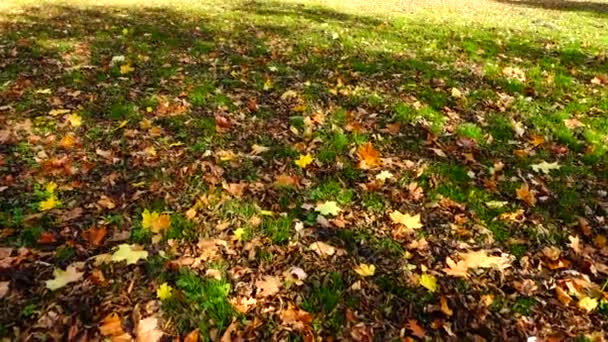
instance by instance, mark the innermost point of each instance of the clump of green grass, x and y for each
(204, 305)
(470, 130)
(278, 229)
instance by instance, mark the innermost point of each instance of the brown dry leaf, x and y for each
(322, 249)
(406, 223)
(235, 189)
(286, 180)
(106, 202)
(525, 194)
(232, 328)
(563, 296)
(476, 259)
(4, 286)
(111, 326)
(369, 157)
(147, 330)
(95, 235)
(295, 318)
(416, 329)
(575, 244)
(71, 215)
(537, 140)
(552, 252)
(573, 123)
(443, 305)
(193, 336)
(243, 304)
(267, 286)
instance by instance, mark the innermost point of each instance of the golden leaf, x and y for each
(369, 157)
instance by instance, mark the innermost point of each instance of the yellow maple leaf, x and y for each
(365, 270)
(407, 223)
(369, 157)
(125, 69)
(164, 291)
(50, 187)
(429, 282)
(304, 160)
(238, 233)
(155, 221)
(75, 120)
(587, 303)
(129, 253)
(62, 278)
(49, 203)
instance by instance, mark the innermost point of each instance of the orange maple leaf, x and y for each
(369, 157)
(525, 194)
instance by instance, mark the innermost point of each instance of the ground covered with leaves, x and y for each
(304, 172)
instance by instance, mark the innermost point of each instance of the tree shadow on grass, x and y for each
(599, 8)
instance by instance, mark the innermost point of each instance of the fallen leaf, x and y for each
(238, 233)
(125, 69)
(295, 318)
(148, 331)
(75, 120)
(286, 180)
(57, 112)
(243, 304)
(192, 336)
(429, 282)
(68, 141)
(587, 303)
(443, 305)
(49, 203)
(575, 244)
(365, 270)
(573, 123)
(416, 329)
(456, 93)
(267, 286)
(155, 221)
(525, 194)
(476, 259)
(62, 278)
(369, 157)
(407, 223)
(259, 149)
(537, 140)
(328, 208)
(129, 253)
(304, 160)
(111, 326)
(164, 291)
(4, 287)
(563, 296)
(322, 249)
(106, 202)
(545, 167)
(384, 175)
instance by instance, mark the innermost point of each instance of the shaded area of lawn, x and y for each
(459, 115)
